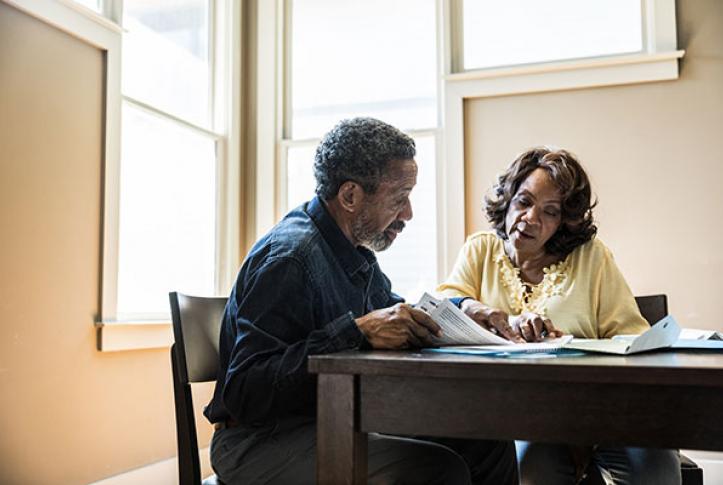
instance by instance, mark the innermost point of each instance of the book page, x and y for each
(457, 328)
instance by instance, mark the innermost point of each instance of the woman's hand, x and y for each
(533, 327)
(491, 319)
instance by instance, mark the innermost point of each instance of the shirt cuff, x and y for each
(457, 300)
(344, 333)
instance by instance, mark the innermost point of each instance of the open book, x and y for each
(691, 338)
(661, 335)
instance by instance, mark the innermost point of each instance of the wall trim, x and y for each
(164, 472)
(115, 336)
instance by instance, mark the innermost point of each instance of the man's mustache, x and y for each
(397, 226)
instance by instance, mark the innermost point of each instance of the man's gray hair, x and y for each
(359, 150)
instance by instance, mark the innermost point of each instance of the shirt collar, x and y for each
(352, 259)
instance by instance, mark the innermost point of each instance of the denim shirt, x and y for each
(297, 294)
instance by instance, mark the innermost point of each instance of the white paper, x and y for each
(695, 334)
(661, 335)
(547, 345)
(457, 328)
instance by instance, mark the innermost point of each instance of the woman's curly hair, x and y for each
(577, 226)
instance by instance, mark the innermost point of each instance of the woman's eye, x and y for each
(523, 201)
(552, 213)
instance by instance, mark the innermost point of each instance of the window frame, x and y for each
(104, 32)
(224, 90)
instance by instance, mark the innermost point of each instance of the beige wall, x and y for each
(68, 413)
(655, 155)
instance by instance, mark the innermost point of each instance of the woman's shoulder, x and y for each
(484, 238)
(594, 250)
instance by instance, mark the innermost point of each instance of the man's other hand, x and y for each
(398, 327)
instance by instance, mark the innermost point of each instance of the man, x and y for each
(312, 285)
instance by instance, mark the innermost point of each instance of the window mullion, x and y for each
(169, 117)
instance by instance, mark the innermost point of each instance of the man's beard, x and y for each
(363, 231)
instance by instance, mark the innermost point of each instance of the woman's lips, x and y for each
(524, 235)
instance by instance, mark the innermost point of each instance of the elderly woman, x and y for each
(543, 266)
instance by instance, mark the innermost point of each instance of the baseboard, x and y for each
(164, 472)
(711, 462)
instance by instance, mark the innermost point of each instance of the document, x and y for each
(462, 335)
(661, 335)
(457, 328)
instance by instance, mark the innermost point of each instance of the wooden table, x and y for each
(664, 399)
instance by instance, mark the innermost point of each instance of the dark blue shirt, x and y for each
(297, 294)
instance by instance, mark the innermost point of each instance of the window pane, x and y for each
(166, 56)
(411, 262)
(91, 4)
(300, 181)
(167, 214)
(372, 58)
(507, 32)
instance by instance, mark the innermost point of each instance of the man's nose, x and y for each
(406, 213)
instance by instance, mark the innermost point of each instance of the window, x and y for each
(169, 156)
(374, 58)
(509, 32)
(171, 194)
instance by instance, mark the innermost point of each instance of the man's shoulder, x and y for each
(291, 238)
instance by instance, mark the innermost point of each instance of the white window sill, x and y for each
(115, 336)
(553, 76)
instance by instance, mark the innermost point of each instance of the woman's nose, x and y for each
(531, 215)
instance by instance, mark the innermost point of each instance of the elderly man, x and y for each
(312, 285)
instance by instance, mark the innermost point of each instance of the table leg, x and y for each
(341, 449)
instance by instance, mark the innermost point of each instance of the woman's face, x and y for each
(534, 214)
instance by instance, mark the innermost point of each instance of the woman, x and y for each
(543, 266)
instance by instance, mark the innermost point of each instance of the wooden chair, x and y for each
(653, 308)
(194, 358)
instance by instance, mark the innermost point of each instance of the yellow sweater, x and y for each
(584, 295)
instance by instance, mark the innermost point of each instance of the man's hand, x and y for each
(534, 327)
(492, 319)
(398, 327)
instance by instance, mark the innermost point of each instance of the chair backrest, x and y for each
(194, 358)
(652, 307)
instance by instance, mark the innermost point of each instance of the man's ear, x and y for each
(350, 196)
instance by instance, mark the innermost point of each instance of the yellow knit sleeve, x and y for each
(617, 311)
(465, 278)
